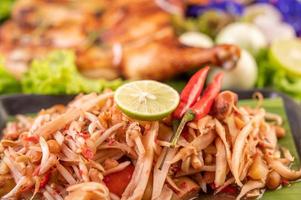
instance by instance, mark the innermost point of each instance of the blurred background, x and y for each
(73, 46)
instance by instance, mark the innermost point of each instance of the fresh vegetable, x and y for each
(289, 84)
(280, 67)
(203, 106)
(196, 39)
(191, 92)
(8, 83)
(34, 139)
(271, 76)
(45, 179)
(265, 70)
(261, 24)
(57, 74)
(245, 35)
(290, 10)
(189, 116)
(275, 31)
(269, 20)
(5, 8)
(118, 181)
(147, 100)
(243, 76)
(252, 12)
(286, 54)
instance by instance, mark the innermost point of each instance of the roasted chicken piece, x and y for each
(130, 38)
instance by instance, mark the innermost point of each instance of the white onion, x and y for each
(262, 10)
(66, 174)
(196, 39)
(274, 30)
(269, 20)
(244, 35)
(243, 76)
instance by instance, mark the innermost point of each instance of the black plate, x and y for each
(21, 104)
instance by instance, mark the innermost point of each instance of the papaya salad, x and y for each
(144, 141)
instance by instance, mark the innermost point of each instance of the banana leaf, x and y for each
(291, 191)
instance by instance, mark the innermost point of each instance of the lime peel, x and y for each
(286, 54)
(146, 99)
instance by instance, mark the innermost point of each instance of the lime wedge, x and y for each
(286, 54)
(146, 100)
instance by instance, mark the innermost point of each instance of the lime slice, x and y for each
(287, 55)
(146, 100)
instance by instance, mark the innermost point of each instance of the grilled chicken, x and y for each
(130, 38)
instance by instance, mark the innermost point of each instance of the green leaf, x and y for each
(57, 74)
(5, 9)
(293, 191)
(8, 83)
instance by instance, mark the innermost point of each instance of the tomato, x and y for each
(87, 153)
(34, 139)
(117, 182)
(230, 190)
(84, 134)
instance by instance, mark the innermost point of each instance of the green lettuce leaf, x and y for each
(57, 74)
(265, 69)
(8, 83)
(276, 78)
(5, 9)
(288, 84)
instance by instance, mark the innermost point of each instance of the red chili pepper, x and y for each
(34, 139)
(203, 106)
(26, 189)
(44, 180)
(84, 134)
(191, 92)
(118, 181)
(200, 108)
